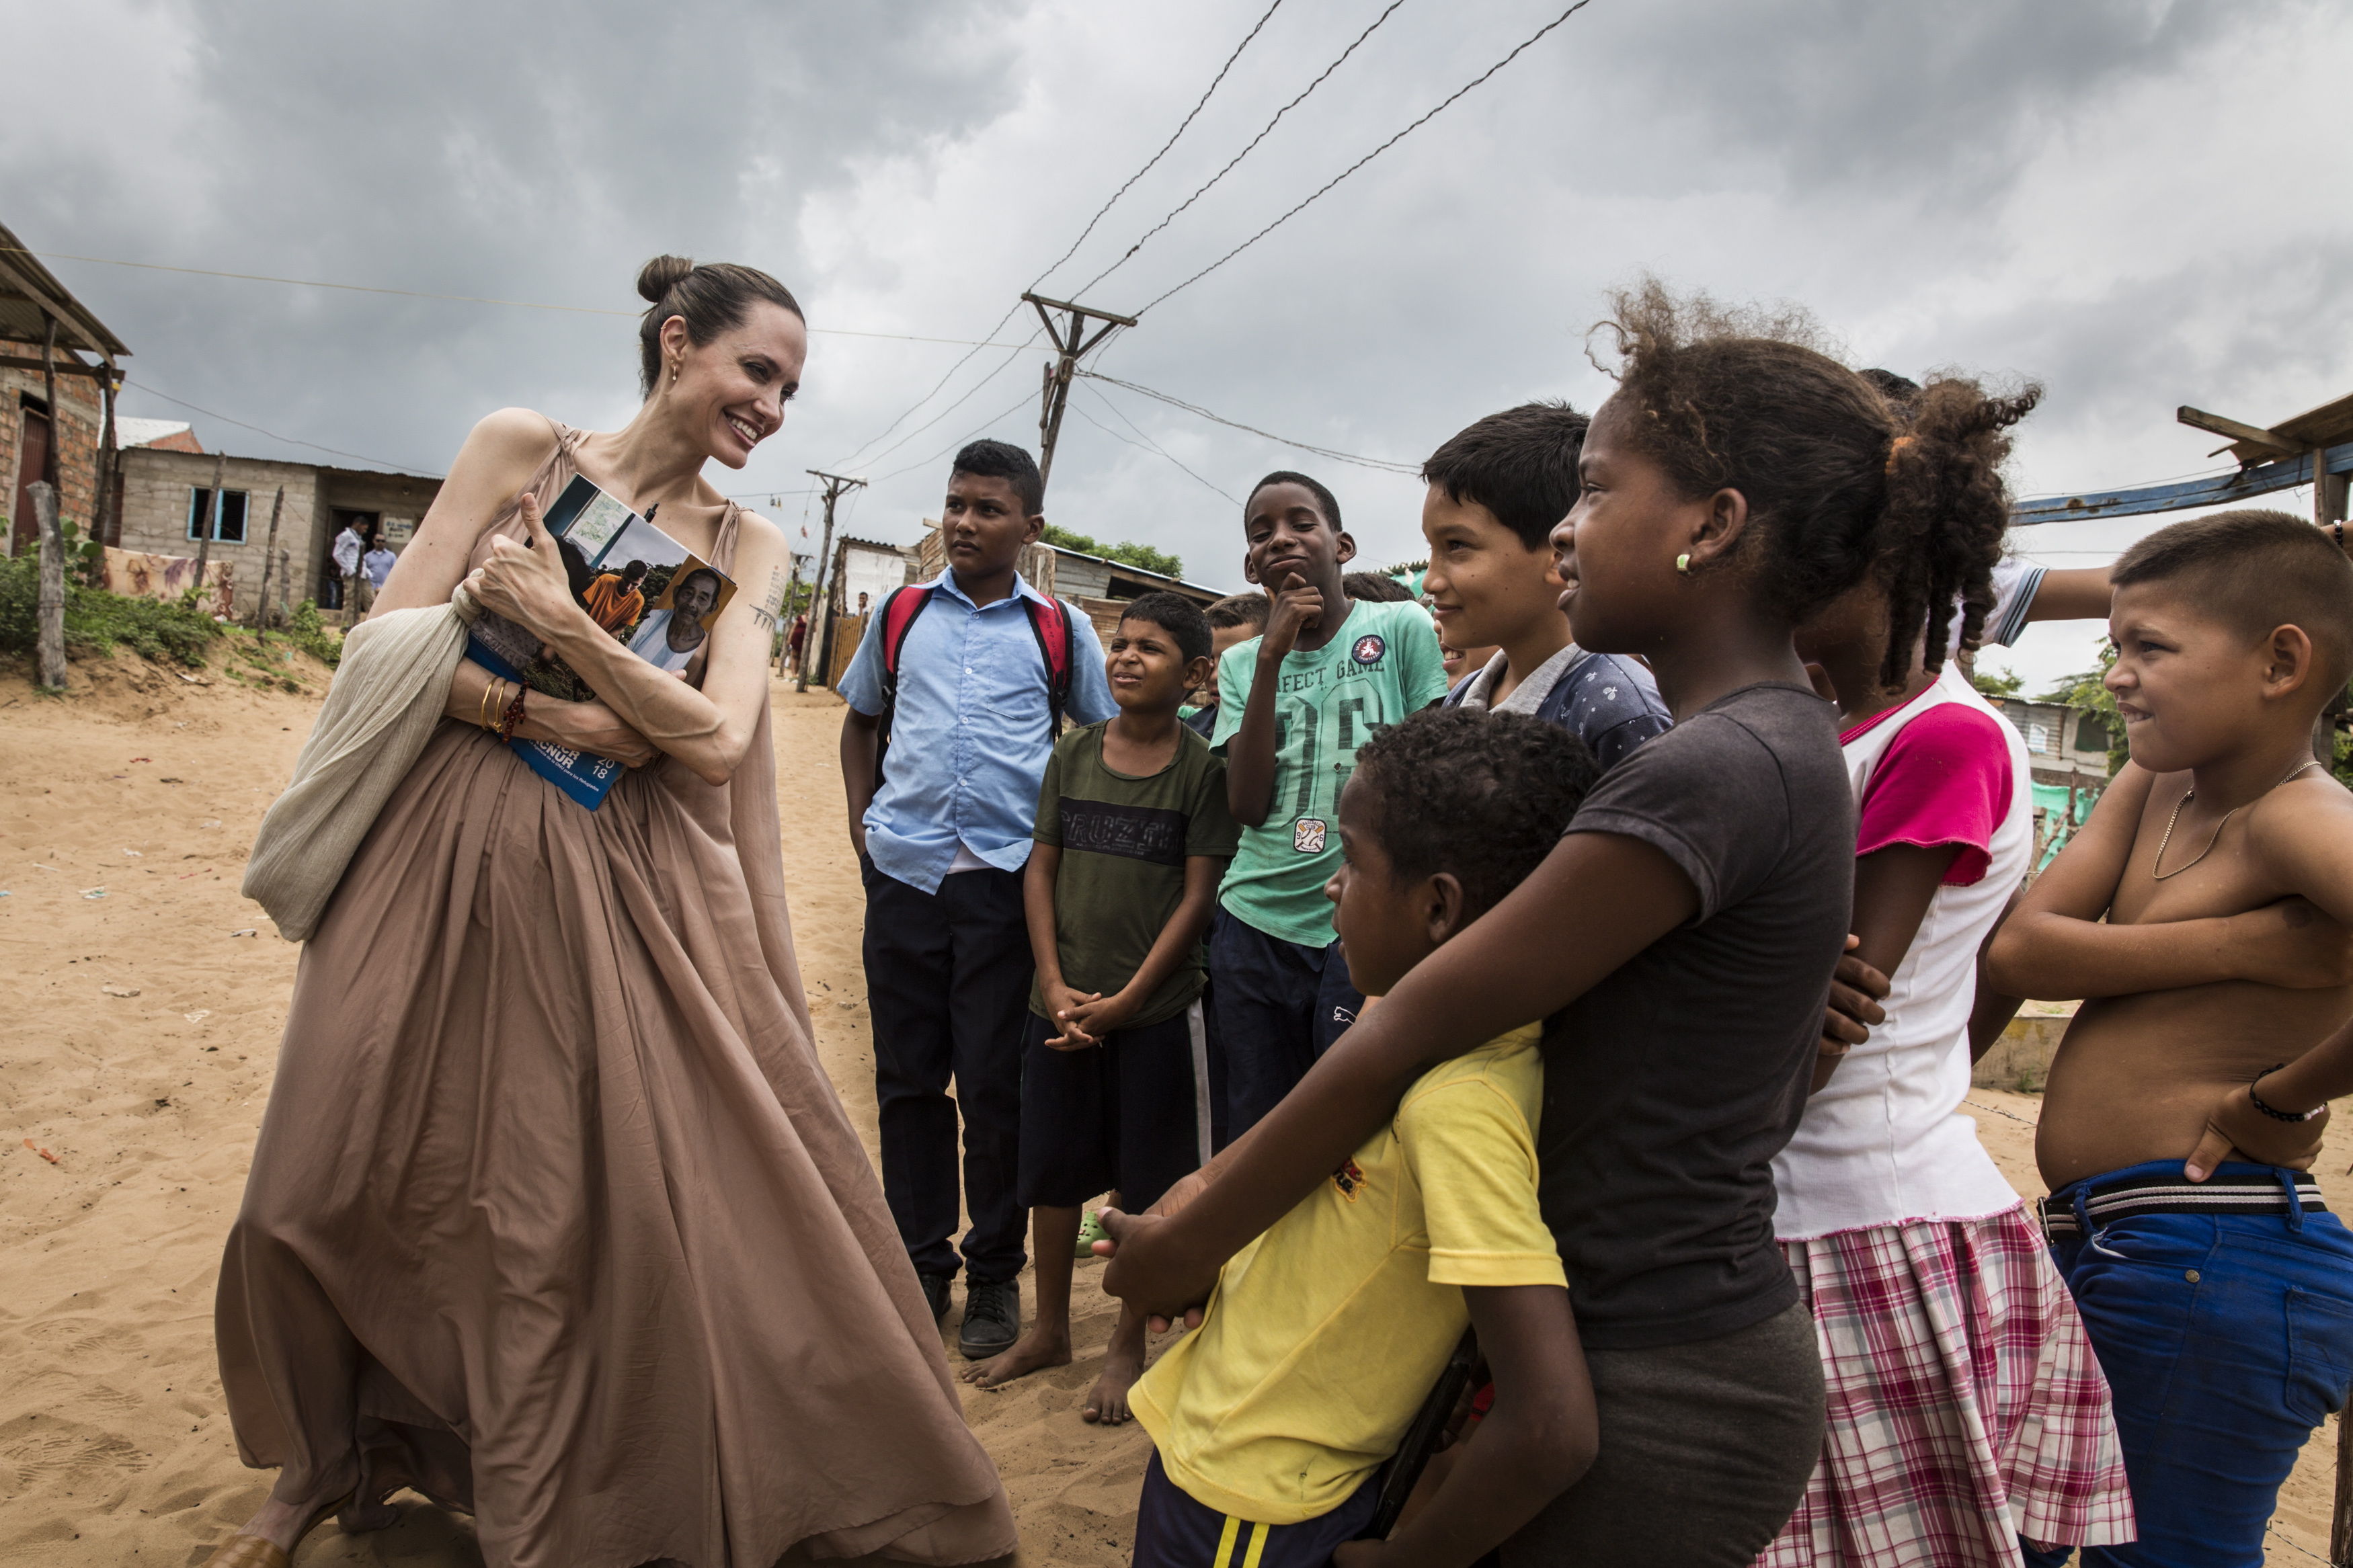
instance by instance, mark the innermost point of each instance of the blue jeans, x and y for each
(2225, 1339)
(1275, 1006)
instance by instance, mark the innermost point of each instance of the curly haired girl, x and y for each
(1679, 940)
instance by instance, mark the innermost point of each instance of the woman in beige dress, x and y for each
(554, 1216)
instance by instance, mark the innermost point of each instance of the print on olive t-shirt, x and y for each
(1384, 664)
(1124, 841)
(1670, 1085)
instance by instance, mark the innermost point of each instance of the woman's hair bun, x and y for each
(659, 276)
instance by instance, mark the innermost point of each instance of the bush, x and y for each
(306, 631)
(97, 620)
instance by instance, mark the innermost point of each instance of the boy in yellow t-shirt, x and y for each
(1271, 1422)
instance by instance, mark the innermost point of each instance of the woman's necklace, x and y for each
(2186, 796)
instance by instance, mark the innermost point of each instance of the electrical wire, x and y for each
(152, 390)
(1193, 408)
(1181, 125)
(1146, 444)
(969, 393)
(1263, 132)
(957, 445)
(1318, 194)
(462, 298)
(1039, 280)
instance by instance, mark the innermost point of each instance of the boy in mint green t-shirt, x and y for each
(1293, 704)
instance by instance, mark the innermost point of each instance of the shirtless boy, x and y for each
(2221, 857)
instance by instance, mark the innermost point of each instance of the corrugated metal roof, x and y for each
(26, 286)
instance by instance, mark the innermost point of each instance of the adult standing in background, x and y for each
(554, 1216)
(350, 545)
(377, 563)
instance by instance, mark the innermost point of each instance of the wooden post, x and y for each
(2340, 1527)
(51, 604)
(1072, 342)
(106, 522)
(212, 524)
(285, 586)
(49, 390)
(268, 559)
(835, 485)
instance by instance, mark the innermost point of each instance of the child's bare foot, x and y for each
(1035, 1351)
(1106, 1403)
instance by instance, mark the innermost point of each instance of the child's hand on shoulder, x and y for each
(1294, 609)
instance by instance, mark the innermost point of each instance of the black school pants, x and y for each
(947, 985)
(1274, 1007)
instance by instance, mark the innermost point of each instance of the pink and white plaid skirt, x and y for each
(1966, 1407)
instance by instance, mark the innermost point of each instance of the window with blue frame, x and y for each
(230, 529)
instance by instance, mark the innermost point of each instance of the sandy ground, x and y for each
(148, 997)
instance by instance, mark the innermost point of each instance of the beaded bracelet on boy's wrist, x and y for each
(2275, 1115)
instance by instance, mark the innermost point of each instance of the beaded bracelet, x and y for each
(2277, 1115)
(513, 715)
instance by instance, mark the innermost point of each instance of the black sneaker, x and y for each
(992, 1319)
(935, 1292)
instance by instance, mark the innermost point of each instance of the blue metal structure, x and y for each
(2219, 490)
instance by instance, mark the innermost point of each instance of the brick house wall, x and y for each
(75, 428)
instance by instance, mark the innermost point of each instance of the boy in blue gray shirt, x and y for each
(954, 696)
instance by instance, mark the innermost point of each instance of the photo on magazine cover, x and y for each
(641, 587)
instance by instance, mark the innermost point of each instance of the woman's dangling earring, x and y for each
(1683, 564)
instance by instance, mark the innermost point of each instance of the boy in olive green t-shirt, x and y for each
(1132, 834)
(1293, 704)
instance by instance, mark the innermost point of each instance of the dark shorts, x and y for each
(1128, 1116)
(1280, 1005)
(1172, 1530)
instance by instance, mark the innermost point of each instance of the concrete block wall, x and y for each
(156, 487)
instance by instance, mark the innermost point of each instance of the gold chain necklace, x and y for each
(2186, 796)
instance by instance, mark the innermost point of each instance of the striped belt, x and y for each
(2104, 1205)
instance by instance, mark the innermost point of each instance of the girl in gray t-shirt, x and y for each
(1681, 938)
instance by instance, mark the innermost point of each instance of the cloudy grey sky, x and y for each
(2137, 203)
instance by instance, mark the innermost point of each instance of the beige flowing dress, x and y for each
(554, 1216)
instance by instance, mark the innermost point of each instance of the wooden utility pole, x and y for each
(1073, 338)
(50, 391)
(50, 606)
(268, 559)
(106, 525)
(835, 487)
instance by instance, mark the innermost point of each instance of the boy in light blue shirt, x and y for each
(943, 751)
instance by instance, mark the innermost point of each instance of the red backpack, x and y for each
(1049, 623)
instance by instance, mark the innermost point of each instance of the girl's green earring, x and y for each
(1683, 564)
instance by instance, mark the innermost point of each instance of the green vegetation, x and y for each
(306, 631)
(1996, 682)
(2088, 691)
(1141, 556)
(179, 629)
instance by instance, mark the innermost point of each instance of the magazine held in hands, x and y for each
(641, 586)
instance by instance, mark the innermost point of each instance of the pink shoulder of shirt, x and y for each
(1946, 779)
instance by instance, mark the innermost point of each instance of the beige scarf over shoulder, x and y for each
(390, 687)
